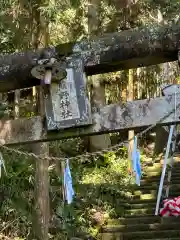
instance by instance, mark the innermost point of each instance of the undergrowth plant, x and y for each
(100, 184)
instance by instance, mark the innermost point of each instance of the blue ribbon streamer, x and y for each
(68, 183)
(136, 162)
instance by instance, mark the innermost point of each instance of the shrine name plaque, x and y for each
(67, 104)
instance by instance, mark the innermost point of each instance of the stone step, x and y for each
(147, 183)
(145, 191)
(138, 221)
(141, 227)
(158, 172)
(137, 235)
(136, 201)
(132, 205)
(175, 177)
(139, 212)
(142, 197)
(137, 204)
(175, 172)
(153, 168)
(149, 180)
(163, 239)
(138, 215)
(156, 178)
(159, 166)
(174, 193)
(146, 196)
(174, 189)
(176, 156)
(175, 180)
(155, 186)
(136, 212)
(151, 219)
(135, 220)
(151, 234)
(151, 174)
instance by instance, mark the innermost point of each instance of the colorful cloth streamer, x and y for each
(171, 207)
(136, 162)
(69, 192)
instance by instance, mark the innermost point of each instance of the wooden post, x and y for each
(41, 226)
(42, 180)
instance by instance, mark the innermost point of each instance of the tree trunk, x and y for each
(130, 98)
(41, 223)
(98, 100)
(97, 87)
(161, 132)
(161, 139)
(41, 226)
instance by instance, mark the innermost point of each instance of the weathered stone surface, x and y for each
(128, 49)
(110, 118)
(131, 115)
(20, 130)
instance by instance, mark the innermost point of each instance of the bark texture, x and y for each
(130, 98)
(97, 86)
(42, 210)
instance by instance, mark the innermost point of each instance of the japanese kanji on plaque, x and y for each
(67, 104)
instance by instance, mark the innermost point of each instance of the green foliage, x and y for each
(16, 195)
(99, 186)
(103, 181)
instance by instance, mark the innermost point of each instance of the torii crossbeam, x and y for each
(128, 49)
(141, 113)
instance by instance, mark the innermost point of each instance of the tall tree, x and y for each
(40, 38)
(130, 98)
(161, 132)
(97, 85)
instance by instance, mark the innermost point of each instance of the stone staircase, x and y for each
(138, 220)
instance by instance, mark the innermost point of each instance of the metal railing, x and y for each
(171, 145)
(171, 162)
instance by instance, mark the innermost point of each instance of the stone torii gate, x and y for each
(128, 49)
(68, 111)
